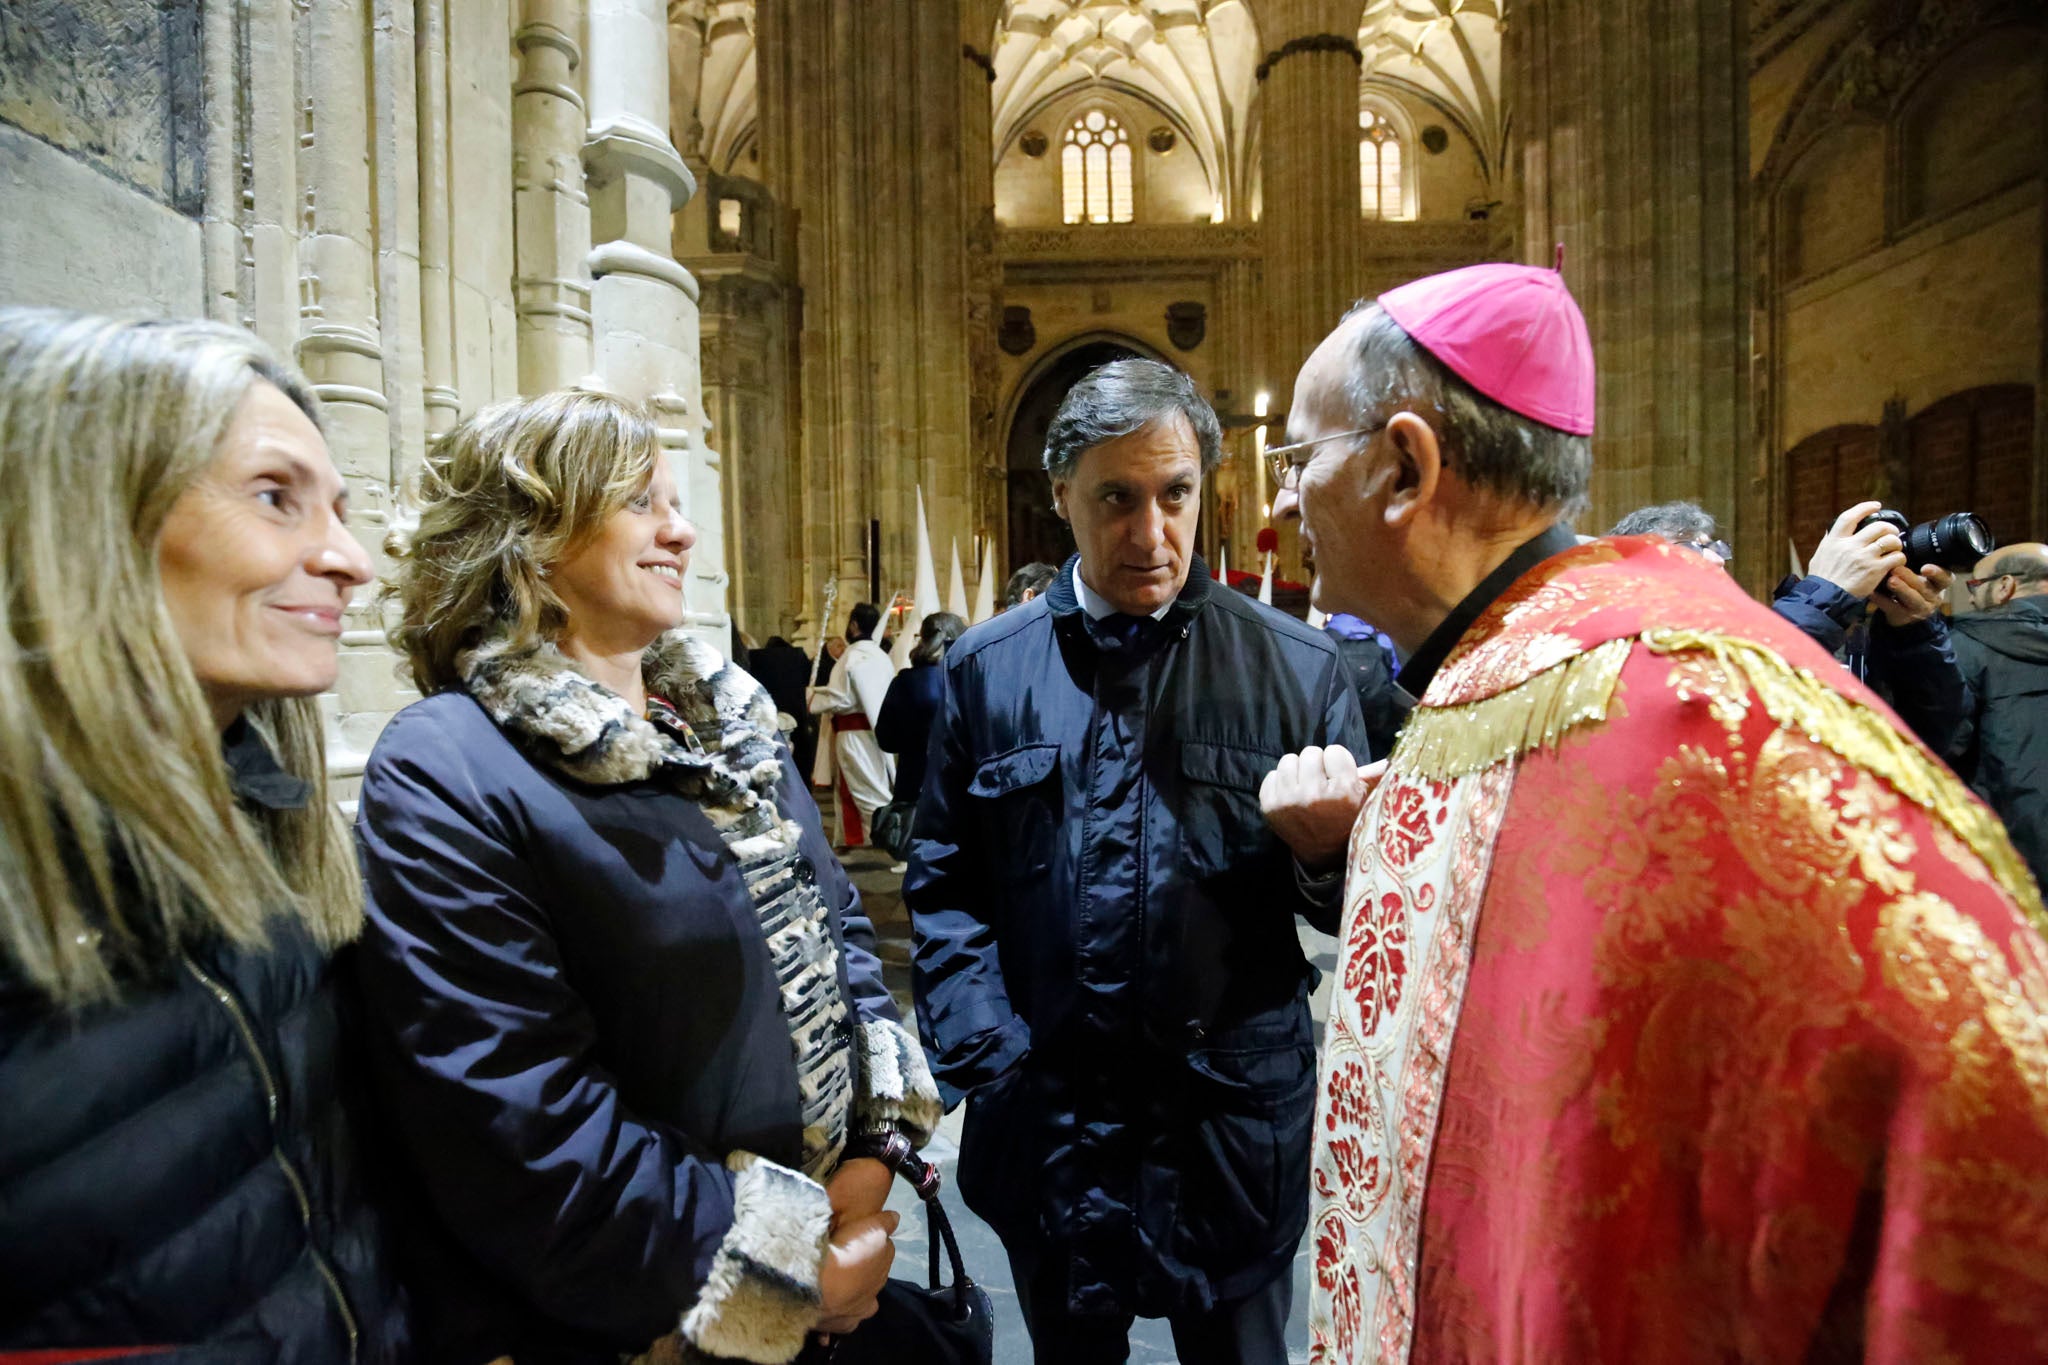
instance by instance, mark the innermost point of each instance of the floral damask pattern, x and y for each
(1687, 1034)
(1794, 1057)
(1391, 1018)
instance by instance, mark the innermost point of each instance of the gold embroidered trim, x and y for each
(1796, 699)
(1448, 742)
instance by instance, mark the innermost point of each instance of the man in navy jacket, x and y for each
(1106, 958)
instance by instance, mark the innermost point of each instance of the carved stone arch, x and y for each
(1995, 75)
(1851, 150)
(1389, 86)
(1870, 72)
(1053, 356)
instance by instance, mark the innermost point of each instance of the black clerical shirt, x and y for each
(1415, 674)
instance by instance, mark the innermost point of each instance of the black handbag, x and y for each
(932, 1323)
(890, 828)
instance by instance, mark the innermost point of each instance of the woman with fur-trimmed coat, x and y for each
(626, 1010)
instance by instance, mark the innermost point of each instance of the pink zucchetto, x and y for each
(1512, 332)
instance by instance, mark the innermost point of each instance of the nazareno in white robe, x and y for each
(859, 681)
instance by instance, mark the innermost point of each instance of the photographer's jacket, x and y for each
(1106, 950)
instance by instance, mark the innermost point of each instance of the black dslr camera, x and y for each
(1956, 541)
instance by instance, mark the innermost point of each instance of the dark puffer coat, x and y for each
(1913, 667)
(177, 1169)
(577, 1019)
(2003, 748)
(1106, 953)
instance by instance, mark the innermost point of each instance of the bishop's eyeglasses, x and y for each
(1287, 461)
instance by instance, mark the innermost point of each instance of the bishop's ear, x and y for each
(1418, 466)
(1059, 499)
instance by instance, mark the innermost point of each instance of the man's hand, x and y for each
(1910, 597)
(858, 1189)
(1312, 800)
(1857, 561)
(856, 1265)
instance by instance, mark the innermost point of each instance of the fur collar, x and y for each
(586, 731)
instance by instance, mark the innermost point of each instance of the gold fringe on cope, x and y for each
(1447, 742)
(1796, 699)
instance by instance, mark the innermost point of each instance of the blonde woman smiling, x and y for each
(175, 1168)
(627, 1010)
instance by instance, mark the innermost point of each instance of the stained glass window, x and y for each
(1379, 167)
(1095, 171)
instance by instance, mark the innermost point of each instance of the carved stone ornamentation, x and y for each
(1186, 324)
(1017, 334)
(1132, 242)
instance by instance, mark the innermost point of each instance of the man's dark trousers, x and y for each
(1247, 1331)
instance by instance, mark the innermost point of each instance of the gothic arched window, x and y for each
(1095, 170)
(1379, 167)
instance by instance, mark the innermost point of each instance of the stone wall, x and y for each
(429, 205)
(100, 155)
(1901, 213)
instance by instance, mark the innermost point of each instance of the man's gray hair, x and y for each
(1485, 444)
(1681, 523)
(1122, 397)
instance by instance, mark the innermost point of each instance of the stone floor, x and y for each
(1151, 1343)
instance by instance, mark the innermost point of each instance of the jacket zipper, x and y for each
(235, 1012)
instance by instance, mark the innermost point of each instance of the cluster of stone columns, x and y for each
(433, 204)
(1308, 157)
(1631, 143)
(1309, 207)
(877, 139)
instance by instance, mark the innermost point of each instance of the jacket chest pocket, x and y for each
(1017, 799)
(1220, 821)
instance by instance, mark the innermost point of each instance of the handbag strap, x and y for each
(894, 1151)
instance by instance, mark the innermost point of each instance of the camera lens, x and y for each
(1956, 541)
(1896, 520)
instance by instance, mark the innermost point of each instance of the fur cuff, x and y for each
(761, 1300)
(896, 1088)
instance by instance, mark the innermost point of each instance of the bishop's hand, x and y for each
(1312, 800)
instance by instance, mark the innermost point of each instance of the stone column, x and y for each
(550, 211)
(270, 116)
(339, 345)
(867, 133)
(643, 304)
(340, 342)
(437, 281)
(395, 161)
(1308, 147)
(686, 21)
(987, 494)
(1632, 132)
(220, 215)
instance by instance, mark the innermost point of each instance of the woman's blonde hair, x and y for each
(120, 837)
(503, 496)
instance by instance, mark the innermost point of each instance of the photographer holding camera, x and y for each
(2002, 646)
(1904, 652)
(1905, 655)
